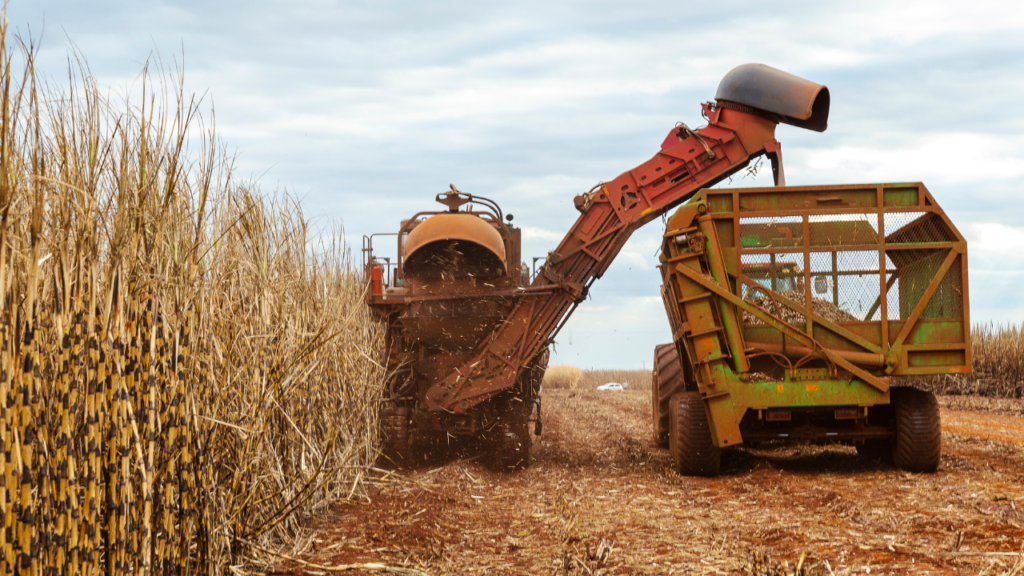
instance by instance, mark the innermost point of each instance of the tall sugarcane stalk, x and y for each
(170, 340)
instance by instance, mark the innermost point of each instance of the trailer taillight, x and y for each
(847, 413)
(778, 415)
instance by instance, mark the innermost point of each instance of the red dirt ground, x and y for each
(601, 498)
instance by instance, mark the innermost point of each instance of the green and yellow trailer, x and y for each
(797, 310)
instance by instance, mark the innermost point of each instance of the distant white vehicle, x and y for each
(611, 386)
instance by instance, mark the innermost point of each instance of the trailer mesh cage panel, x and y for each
(862, 258)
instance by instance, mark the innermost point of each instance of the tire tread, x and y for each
(690, 441)
(513, 446)
(394, 424)
(666, 380)
(918, 446)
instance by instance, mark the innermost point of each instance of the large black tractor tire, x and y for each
(666, 380)
(690, 443)
(394, 427)
(512, 446)
(918, 445)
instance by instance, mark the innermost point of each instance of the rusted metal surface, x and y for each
(452, 264)
(456, 279)
(433, 247)
(462, 344)
(796, 101)
(813, 297)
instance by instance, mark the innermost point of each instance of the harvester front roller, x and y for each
(512, 445)
(690, 442)
(394, 427)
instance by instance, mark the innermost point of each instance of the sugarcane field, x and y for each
(318, 288)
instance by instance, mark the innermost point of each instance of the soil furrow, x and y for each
(601, 498)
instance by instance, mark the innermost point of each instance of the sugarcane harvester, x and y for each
(466, 345)
(795, 311)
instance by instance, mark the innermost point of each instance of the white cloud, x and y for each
(910, 23)
(950, 158)
(613, 332)
(534, 233)
(634, 258)
(997, 239)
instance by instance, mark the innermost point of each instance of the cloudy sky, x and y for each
(367, 109)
